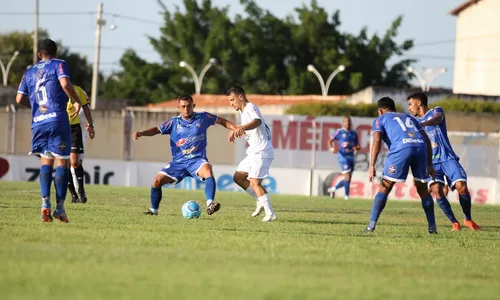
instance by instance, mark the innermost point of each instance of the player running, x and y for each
(45, 88)
(188, 144)
(408, 146)
(260, 153)
(444, 160)
(75, 181)
(344, 142)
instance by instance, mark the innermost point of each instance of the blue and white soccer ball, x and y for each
(191, 210)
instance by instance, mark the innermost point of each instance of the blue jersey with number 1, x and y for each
(47, 98)
(399, 131)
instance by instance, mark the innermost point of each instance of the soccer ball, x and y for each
(191, 210)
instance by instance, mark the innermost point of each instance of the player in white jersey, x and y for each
(260, 153)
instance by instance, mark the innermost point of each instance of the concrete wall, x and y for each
(114, 135)
(476, 51)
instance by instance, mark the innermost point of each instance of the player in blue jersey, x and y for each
(444, 160)
(188, 144)
(45, 88)
(344, 142)
(409, 146)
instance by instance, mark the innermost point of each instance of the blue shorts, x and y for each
(451, 170)
(187, 168)
(397, 164)
(346, 165)
(51, 140)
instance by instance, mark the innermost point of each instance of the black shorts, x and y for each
(76, 139)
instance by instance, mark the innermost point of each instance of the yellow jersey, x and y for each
(70, 108)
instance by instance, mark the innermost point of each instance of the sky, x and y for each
(427, 22)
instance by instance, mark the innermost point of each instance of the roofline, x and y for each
(457, 10)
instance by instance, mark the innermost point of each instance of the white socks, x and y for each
(252, 193)
(264, 200)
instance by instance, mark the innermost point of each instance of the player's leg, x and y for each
(172, 173)
(347, 179)
(38, 147)
(395, 170)
(457, 179)
(345, 168)
(258, 171)
(418, 166)
(202, 169)
(72, 181)
(240, 177)
(436, 190)
(59, 147)
(77, 172)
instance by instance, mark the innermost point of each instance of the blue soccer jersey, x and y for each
(438, 135)
(399, 131)
(347, 139)
(188, 138)
(47, 98)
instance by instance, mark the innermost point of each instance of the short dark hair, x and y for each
(236, 89)
(386, 103)
(419, 96)
(185, 98)
(47, 47)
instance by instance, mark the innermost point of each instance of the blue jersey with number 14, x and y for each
(47, 98)
(399, 131)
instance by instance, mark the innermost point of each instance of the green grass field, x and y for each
(316, 250)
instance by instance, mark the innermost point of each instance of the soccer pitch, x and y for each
(316, 250)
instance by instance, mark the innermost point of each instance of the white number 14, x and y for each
(407, 124)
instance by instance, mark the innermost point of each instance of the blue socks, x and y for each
(346, 188)
(428, 205)
(465, 202)
(377, 207)
(155, 198)
(446, 208)
(61, 184)
(45, 182)
(339, 185)
(210, 189)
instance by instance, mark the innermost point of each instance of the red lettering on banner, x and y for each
(364, 133)
(285, 141)
(413, 192)
(326, 133)
(482, 196)
(357, 189)
(375, 187)
(399, 190)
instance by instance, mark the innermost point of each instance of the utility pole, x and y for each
(97, 53)
(35, 33)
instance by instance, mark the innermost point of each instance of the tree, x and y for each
(80, 69)
(263, 53)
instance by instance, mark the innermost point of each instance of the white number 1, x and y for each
(408, 123)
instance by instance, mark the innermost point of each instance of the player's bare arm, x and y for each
(69, 89)
(377, 145)
(240, 130)
(436, 120)
(90, 121)
(333, 145)
(226, 123)
(430, 168)
(148, 132)
(23, 99)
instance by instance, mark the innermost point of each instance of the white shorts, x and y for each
(255, 166)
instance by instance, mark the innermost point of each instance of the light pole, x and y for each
(325, 87)
(5, 70)
(198, 81)
(429, 76)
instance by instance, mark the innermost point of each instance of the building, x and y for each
(477, 48)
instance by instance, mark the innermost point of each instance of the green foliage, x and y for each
(460, 105)
(336, 109)
(263, 53)
(80, 69)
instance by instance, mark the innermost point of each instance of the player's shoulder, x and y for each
(206, 114)
(438, 109)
